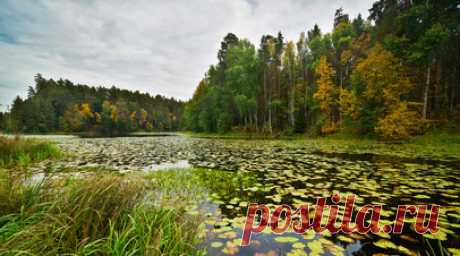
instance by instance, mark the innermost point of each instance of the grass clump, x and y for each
(103, 214)
(17, 151)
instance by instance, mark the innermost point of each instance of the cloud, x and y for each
(160, 47)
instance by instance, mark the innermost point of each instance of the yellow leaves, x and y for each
(349, 103)
(346, 57)
(79, 115)
(98, 117)
(326, 95)
(111, 110)
(401, 123)
(133, 116)
(326, 91)
(384, 76)
(114, 114)
(85, 111)
(382, 79)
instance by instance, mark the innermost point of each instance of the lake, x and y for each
(235, 173)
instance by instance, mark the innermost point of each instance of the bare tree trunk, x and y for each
(427, 88)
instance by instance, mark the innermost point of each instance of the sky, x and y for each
(159, 47)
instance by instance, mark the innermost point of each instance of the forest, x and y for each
(61, 106)
(393, 75)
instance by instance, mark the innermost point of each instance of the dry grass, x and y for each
(17, 151)
(103, 214)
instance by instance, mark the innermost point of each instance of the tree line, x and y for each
(61, 106)
(394, 75)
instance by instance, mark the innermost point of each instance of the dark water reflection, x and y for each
(292, 178)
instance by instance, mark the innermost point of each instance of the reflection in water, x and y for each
(302, 179)
(181, 164)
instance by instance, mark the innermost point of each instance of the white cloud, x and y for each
(160, 47)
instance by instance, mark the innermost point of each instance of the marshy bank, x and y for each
(100, 213)
(221, 177)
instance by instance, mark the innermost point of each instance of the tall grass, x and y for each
(17, 151)
(104, 214)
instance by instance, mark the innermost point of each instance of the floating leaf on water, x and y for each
(210, 222)
(234, 200)
(404, 250)
(422, 197)
(217, 244)
(454, 225)
(243, 204)
(449, 195)
(253, 189)
(326, 233)
(455, 215)
(228, 235)
(383, 235)
(356, 236)
(385, 244)
(333, 248)
(237, 242)
(454, 251)
(316, 248)
(409, 238)
(440, 235)
(277, 199)
(345, 239)
(223, 229)
(298, 245)
(286, 239)
(297, 252)
(230, 250)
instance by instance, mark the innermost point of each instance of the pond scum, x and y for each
(203, 211)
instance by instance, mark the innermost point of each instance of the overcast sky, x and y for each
(160, 47)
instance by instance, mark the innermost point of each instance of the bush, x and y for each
(400, 124)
